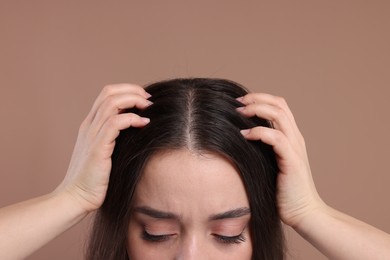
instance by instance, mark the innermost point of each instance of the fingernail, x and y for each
(245, 131)
(240, 108)
(149, 103)
(147, 95)
(145, 120)
(240, 99)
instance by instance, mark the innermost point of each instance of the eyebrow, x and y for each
(154, 213)
(235, 213)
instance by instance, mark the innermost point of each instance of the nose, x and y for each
(191, 248)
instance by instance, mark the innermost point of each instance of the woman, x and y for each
(165, 216)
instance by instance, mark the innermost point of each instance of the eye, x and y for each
(155, 238)
(230, 239)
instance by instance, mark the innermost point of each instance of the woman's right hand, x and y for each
(297, 196)
(87, 177)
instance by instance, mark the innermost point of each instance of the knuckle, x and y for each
(132, 86)
(278, 137)
(246, 99)
(134, 118)
(256, 132)
(281, 101)
(278, 113)
(118, 121)
(108, 89)
(83, 126)
(111, 101)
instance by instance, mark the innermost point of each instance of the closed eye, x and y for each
(230, 239)
(155, 238)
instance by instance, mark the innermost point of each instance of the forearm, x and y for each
(339, 236)
(28, 225)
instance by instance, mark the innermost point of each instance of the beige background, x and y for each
(329, 59)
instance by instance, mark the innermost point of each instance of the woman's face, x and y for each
(189, 206)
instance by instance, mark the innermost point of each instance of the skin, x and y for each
(335, 234)
(203, 210)
(28, 225)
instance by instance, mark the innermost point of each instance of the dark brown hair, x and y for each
(197, 114)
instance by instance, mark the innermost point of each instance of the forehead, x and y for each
(182, 181)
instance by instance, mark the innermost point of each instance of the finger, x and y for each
(116, 104)
(280, 107)
(267, 99)
(112, 90)
(112, 127)
(276, 115)
(276, 139)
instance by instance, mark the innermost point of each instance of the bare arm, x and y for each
(340, 236)
(27, 226)
(336, 235)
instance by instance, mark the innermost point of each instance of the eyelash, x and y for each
(230, 240)
(154, 238)
(223, 239)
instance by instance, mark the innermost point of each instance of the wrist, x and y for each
(304, 211)
(71, 201)
(89, 197)
(310, 214)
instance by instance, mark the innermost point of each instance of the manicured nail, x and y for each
(145, 120)
(240, 99)
(147, 95)
(149, 103)
(240, 108)
(245, 131)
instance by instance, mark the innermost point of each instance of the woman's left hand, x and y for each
(296, 192)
